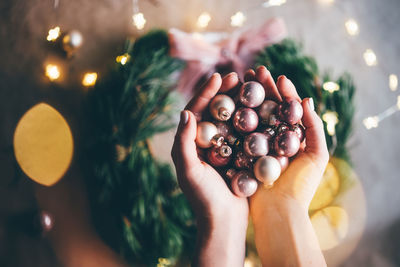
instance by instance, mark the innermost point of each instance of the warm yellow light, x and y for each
(238, 19)
(53, 34)
(139, 21)
(274, 3)
(351, 27)
(393, 82)
(123, 59)
(371, 122)
(203, 20)
(52, 72)
(370, 57)
(248, 263)
(331, 86)
(89, 79)
(331, 119)
(326, 1)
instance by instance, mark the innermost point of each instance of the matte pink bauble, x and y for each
(244, 184)
(222, 107)
(205, 133)
(267, 169)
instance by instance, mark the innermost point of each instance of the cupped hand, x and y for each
(221, 216)
(283, 231)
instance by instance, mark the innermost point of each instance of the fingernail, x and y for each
(184, 117)
(311, 103)
(282, 77)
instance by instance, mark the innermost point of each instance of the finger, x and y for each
(287, 89)
(315, 135)
(184, 153)
(265, 78)
(250, 75)
(229, 82)
(200, 101)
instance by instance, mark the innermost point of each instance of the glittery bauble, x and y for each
(219, 156)
(222, 107)
(205, 133)
(283, 161)
(287, 144)
(243, 161)
(245, 120)
(251, 94)
(290, 112)
(267, 108)
(267, 169)
(243, 184)
(256, 144)
(223, 128)
(72, 41)
(300, 131)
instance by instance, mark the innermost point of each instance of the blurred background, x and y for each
(105, 25)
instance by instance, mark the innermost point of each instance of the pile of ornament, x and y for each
(250, 137)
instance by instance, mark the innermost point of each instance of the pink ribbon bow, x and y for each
(203, 57)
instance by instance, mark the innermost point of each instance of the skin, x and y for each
(283, 232)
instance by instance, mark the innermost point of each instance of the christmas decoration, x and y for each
(72, 41)
(251, 146)
(43, 144)
(136, 204)
(222, 107)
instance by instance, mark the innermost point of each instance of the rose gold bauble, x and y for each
(267, 108)
(290, 112)
(287, 144)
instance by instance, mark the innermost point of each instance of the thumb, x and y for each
(184, 153)
(315, 135)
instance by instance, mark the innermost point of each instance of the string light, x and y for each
(371, 122)
(238, 19)
(54, 33)
(203, 20)
(331, 119)
(351, 27)
(89, 79)
(331, 86)
(138, 20)
(52, 72)
(270, 3)
(393, 82)
(123, 59)
(370, 58)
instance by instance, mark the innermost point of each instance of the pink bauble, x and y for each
(205, 133)
(274, 120)
(267, 108)
(283, 161)
(256, 145)
(287, 144)
(251, 94)
(244, 184)
(217, 158)
(290, 112)
(222, 107)
(267, 169)
(245, 120)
